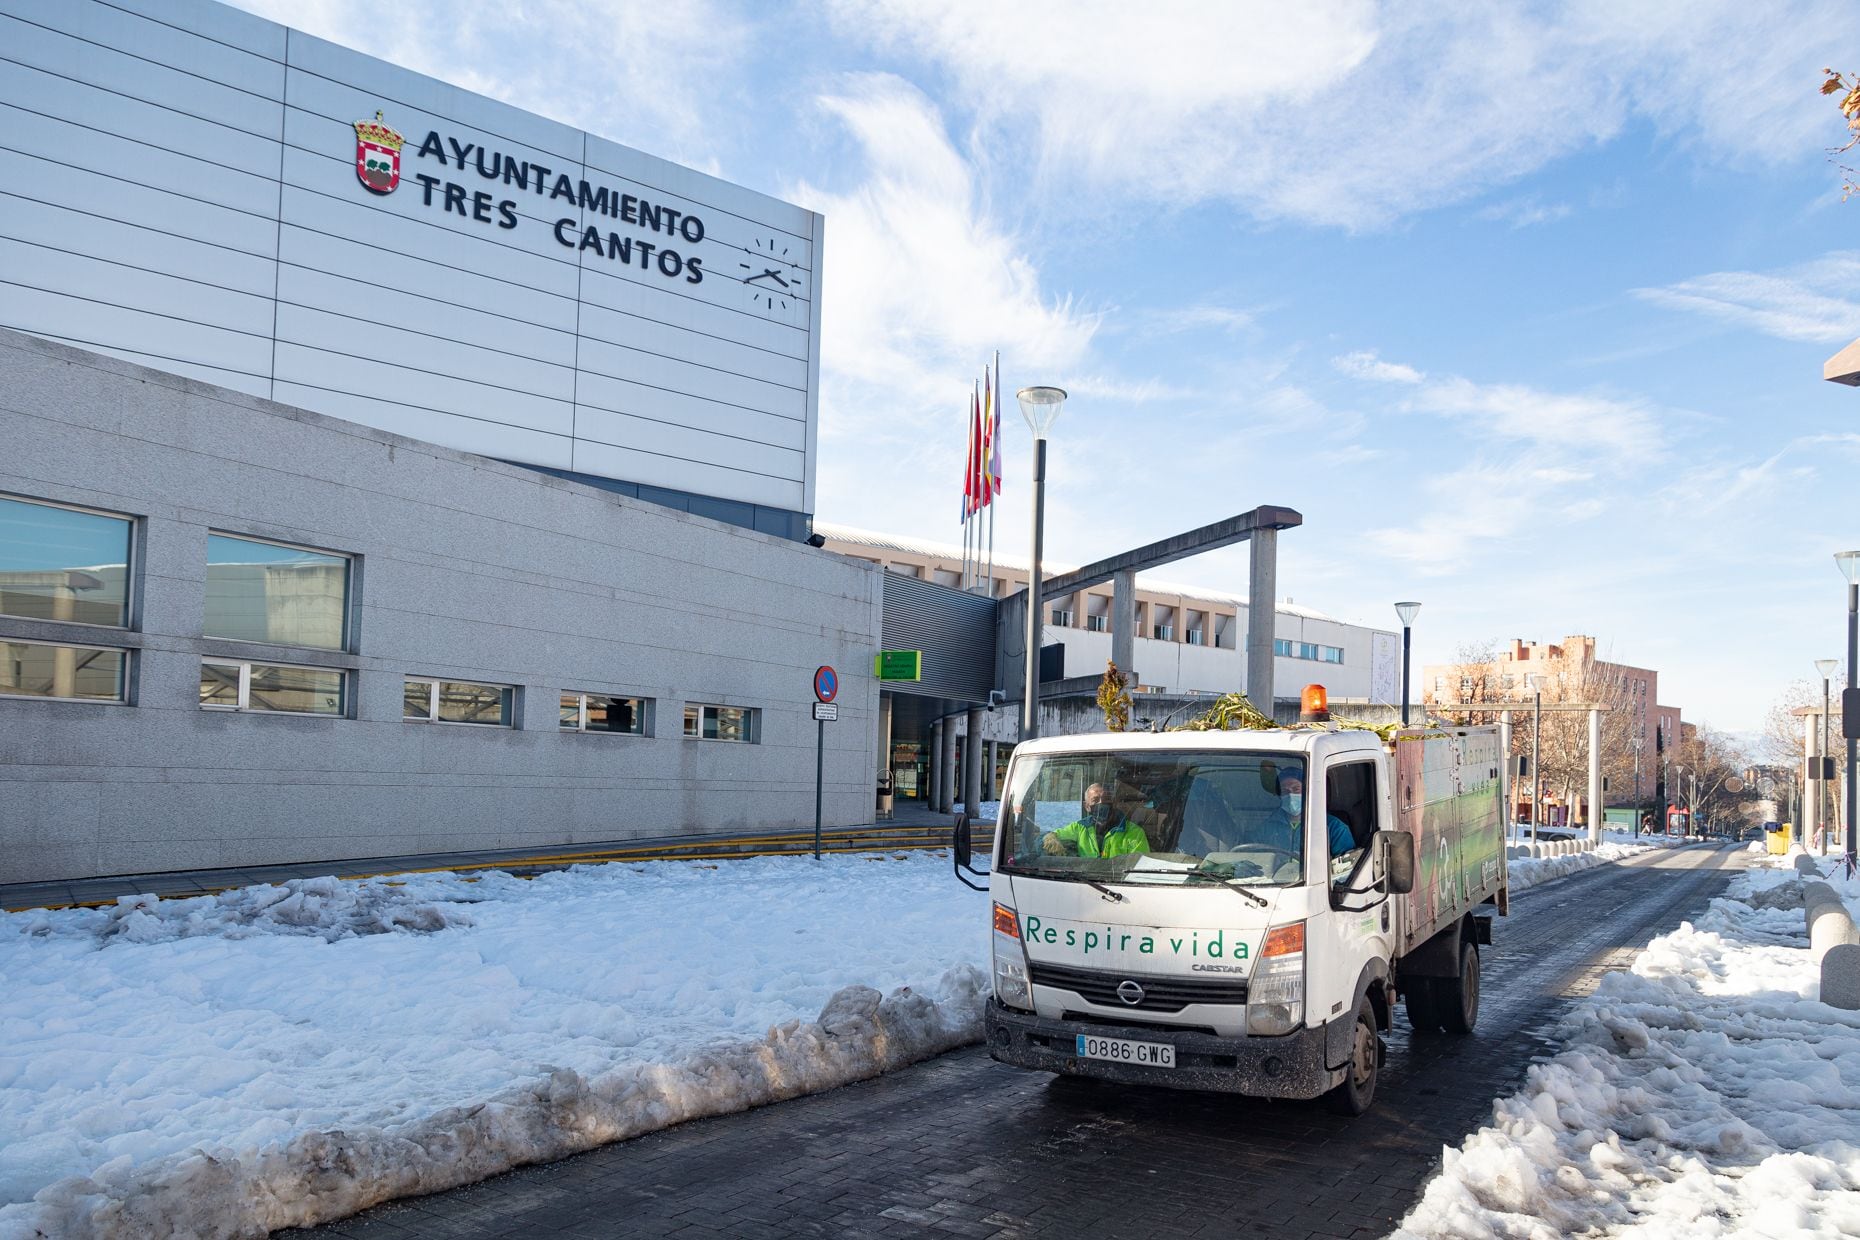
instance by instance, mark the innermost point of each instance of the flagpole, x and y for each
(981, 435)
(994, 448)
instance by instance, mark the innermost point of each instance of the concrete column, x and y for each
(1817, 790)
(946, 768)
(884, 736)
(1261, 618)
(1124, 623)
(991, 761)
(934, 799)
(1597, 798)
(973, 751)
(1504, 767)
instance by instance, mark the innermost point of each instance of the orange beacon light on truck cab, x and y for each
(1314, 705)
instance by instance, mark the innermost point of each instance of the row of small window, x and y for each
(72, 565)
(83, 673)
(1307, 650)
(1102, 624)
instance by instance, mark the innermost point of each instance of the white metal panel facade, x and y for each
(179, 186)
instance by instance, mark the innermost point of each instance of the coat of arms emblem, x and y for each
(377, 155)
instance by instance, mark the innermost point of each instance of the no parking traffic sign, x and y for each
(826, 683)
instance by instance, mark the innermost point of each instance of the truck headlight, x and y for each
(1275, 1000)
(1011, 961)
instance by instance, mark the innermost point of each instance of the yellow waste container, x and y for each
(1779, 834)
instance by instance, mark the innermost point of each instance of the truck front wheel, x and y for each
(1358, 1088)
(1456, 998)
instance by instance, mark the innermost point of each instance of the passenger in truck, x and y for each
(1282, 827)
(1103, 831)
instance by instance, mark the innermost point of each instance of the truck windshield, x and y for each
(1156, 817)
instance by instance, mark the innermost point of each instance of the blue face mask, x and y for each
(1100, 816)
(1293, 803)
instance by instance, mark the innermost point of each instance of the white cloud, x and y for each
(1364, 364)
(1178, 319)
(1609, 432)
(923, 283)
(658, 77)
(1809, 302)
(1348, 113)
(1524, 212)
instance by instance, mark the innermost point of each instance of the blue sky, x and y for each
(1523, 306)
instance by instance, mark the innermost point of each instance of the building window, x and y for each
(44, 670)
(1330, 654)
(458, 701)
(66, 564)
(597, 712)
(1193, 637)
(232, 684)
(278, 594)
(1097, 624)
(1163, 632)
(722, 723)
(1062, 618)
(1281, 647)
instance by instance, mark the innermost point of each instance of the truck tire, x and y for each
(1457, 997)
(1423, 1005)
(1357, 1091)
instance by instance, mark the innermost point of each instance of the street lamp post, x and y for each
(1637, 806)
(1536, 681)
(1040, 406)
(1827, 668)
(1679, 793)
(1849, 562)
(1407, 612)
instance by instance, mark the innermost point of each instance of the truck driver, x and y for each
(1103, 831)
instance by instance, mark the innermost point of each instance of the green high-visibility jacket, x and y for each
(1125, 837)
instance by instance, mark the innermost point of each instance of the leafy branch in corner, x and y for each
(1849, 90)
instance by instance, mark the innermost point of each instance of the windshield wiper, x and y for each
(1116, 897)
(1234, 886)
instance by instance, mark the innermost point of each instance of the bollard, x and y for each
(1840, 976)
(1829, 923)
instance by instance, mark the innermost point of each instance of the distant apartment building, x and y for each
(1634, 724)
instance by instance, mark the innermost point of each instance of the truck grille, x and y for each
(1160, 994)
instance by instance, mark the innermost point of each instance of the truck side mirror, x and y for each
(1397, 848)
(961, 852)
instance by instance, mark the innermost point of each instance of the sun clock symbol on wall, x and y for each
(774, 280)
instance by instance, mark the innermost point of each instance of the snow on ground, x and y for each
(1705, 1093)
(1525, 873)
(277, 1055)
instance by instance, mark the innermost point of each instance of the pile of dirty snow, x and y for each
(1528, 872)
(1705, 1093)
(280, 1055)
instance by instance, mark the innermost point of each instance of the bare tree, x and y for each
(1783, 735)
(1564, 746)
(1472, 677)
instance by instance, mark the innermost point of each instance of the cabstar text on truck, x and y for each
(1241, 910)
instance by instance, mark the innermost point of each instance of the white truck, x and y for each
(1241, 910)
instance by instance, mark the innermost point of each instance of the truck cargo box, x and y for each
(1449, 795)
